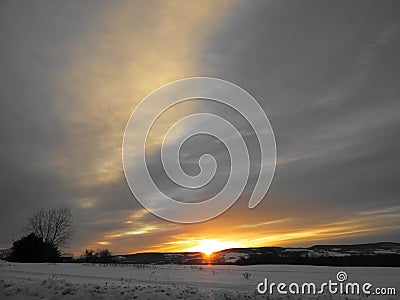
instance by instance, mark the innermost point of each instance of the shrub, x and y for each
(31, 248)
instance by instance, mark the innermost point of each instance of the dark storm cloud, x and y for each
(328, 77)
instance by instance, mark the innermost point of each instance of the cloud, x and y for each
(326, 76)
(362, 65)
(292, 59)
(71, 75)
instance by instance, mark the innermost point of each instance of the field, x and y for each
(95, 281)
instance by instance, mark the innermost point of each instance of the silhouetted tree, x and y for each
(32, 248)
(104, 255)
(88, 255)
(52, 226)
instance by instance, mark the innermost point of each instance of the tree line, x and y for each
(47, 231)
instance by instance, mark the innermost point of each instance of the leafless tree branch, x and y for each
(53, 226)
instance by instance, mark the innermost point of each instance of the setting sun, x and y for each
(210, 246)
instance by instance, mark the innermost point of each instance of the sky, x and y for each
(327, 74)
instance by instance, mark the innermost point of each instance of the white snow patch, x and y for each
(95, 281)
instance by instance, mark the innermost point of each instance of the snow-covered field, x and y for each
(87, 281)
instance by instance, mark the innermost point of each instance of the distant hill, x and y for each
(385, 254)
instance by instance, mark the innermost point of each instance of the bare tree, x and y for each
(104, 253)
(53, 226)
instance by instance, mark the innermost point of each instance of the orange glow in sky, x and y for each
(210, 246)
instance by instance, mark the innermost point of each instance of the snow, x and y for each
(230, 257)
(386, 251)
(95, 281)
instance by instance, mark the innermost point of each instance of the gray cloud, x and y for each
(326, 73)
(327, 76)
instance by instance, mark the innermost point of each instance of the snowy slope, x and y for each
(80, 281)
